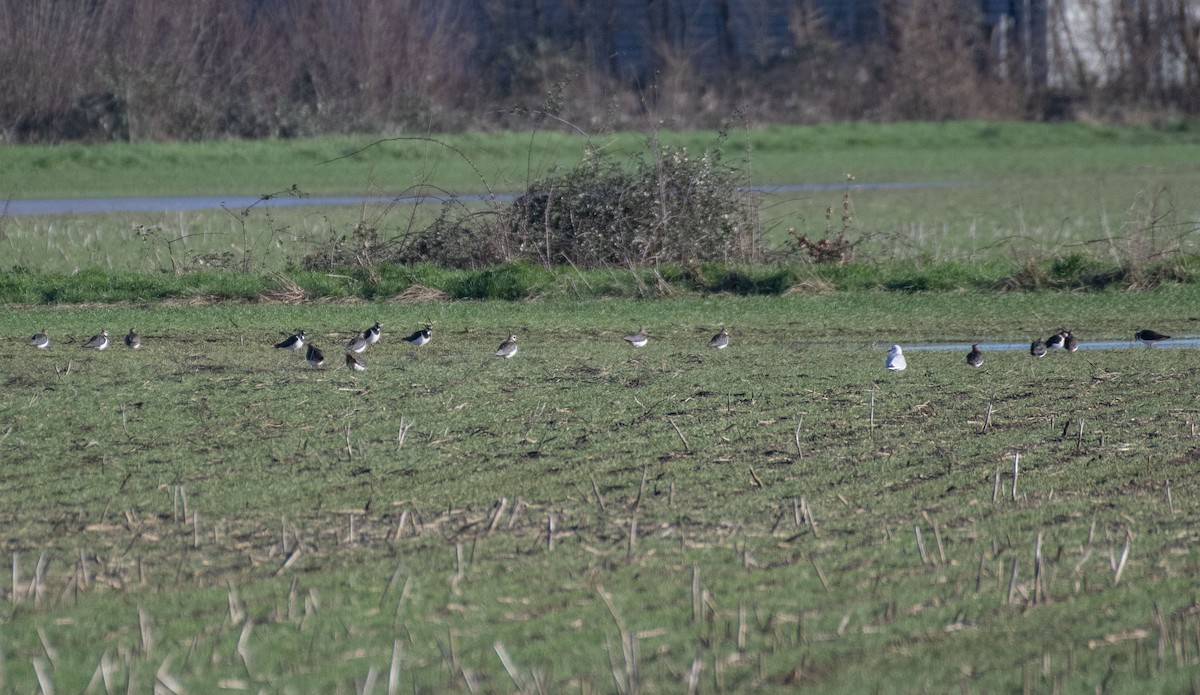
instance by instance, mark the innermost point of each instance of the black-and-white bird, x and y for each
(895, 359)
(1038, 348)
(419, 338)
(1055, 342)
(98, 342)
(133, 341)
(1150, 337)
(975, 356)
(720, 341)
(638, 339)
(372, 334)
(40, 340)
(355, 363)
(508, 348)
(314, 356)
(1070, 342)
(358, 344)
(293, 342)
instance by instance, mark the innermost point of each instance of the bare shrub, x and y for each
(934, 53)
(668, 207)
(664, 206)
(1152, 240)
(46, 51)
(144, 69)
(376, 64)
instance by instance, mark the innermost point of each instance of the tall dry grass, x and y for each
(143, 69)
(146, 69)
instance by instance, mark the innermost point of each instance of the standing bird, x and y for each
(720, 341)
(372, 334)
(637, 339)
(133, 341)
(508, 348)
(358, 343)
(1055, 342)
(1070, 342)
(314, 356)
(293, 343)
(1037, 348)
(895, 359)
(419, 338)
(975, 356)
(98, 342)
(355, 363)
(41, 340)
(1150, 337)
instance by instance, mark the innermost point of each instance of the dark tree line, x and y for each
(147, 69)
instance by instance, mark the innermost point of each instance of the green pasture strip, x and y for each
(1023, 193)
(507, 161)
(977, 224)
(213, 513)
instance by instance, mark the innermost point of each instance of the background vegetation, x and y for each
(134, 70)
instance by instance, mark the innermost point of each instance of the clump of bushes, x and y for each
(666, 206)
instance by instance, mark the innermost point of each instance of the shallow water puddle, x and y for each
(181, 203)
(1182, 342)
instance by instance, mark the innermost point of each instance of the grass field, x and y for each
(1023, 190)
(208, 513)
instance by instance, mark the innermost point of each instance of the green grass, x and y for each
(277, 460)
(508, 160)
(518, 281)
(1027, 190)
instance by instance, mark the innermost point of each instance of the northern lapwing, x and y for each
(975, 356)
(98, 342)
(1055, 342)
(1150, 337)
(358, 344)
(314, 356)
(637, 339)
(40, 340)
(895, 359)
(355, 363)
(1038, 348)
(508, 348)
(419, 338)
(293, 342)
(1070, 342)
(720, 341)
(133, 341)
(372, 334)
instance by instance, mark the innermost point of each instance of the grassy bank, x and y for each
(530, 282)
(589, 517)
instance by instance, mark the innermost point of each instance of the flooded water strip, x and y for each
(85, 206)
(1181, 342)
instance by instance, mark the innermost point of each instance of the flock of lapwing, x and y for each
(353, 349)
(1063, 340)
(359, 343)
(100, 341)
